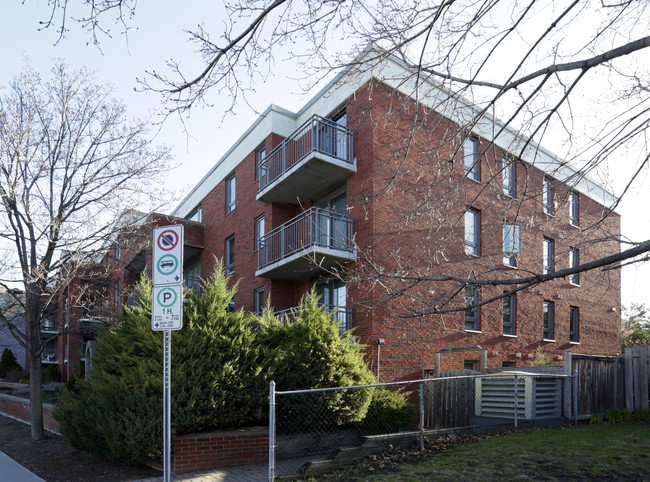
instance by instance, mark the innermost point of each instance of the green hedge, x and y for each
(222, 363)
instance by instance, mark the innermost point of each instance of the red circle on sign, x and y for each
(167, 240)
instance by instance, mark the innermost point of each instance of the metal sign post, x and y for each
(167, 313)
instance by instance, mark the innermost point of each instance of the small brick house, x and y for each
(350, 193)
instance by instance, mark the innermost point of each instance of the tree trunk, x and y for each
(36, 396)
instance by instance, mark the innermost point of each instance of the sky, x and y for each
(198, 141)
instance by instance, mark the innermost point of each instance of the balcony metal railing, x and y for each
(316, 135)
(314, 227)
(49, 358)
(342, 314)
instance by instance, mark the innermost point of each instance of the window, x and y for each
(511, 243)
(195, 215)
(471, 365)
(548, 196)
(117, 293)
(508, 173)
(472, 313)
(574, 322)
(231, 185)
(259, 233)
(472, 164)
(549, 315)
(508, 364)
(258, 300)
(231, 307)
(574, 208)
(472, 232)
(509, 314)
(549, 256)
(260, 155)
(574, 261)
(230, 255)
(118, 253)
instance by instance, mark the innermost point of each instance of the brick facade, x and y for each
(407, 201)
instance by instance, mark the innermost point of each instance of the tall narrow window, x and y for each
(511, 243)
(258, 300)
(508, 173)
(509, 314)
(473, 232)
(548, 196)
(574, 208)
(472, 321)
(574, 322)
(574, 261)
(549, 319)
(230, 255)
(259, 233)
(118, 253)
(260, 155)
(231, 190)
(549, 256)
(471, 154)
(117, 293)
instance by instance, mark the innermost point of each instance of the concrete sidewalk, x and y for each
(242, 473)
(11, 470)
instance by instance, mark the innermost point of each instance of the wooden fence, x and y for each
(610, 382)
(449, 403)
(603, 383)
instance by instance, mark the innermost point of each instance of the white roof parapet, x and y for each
(397, 74)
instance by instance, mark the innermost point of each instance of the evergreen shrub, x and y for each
(216, 377)
(306, 351)
(389, 412)
(8, 363)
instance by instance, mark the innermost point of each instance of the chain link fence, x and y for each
(320, 422)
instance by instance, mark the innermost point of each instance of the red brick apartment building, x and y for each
(351, 193)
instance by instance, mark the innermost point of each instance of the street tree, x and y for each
(565, 73)
(70, 160)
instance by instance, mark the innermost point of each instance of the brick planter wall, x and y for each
(19, 409)
(245, 446)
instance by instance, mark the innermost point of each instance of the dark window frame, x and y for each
(549, 320)
(574, 324)
(548, 255)
(510, 314)
(231, 193)
(473, 248)
(472, 315)
(229, 255)
(473, 167)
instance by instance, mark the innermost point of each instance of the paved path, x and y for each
(243, 473)
(10, 470)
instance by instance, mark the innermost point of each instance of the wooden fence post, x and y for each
(568, 385)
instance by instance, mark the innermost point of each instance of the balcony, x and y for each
(49, 358)
(310, 162)
(307, 245)
(342, 314)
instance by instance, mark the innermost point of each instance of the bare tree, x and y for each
(566, 72)
(70, 160)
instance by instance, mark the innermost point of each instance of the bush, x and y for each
(642, 415)
(618, 415)
(8, 363)
(389, 412)
(217, 380)
(597, 418)
(308, 352)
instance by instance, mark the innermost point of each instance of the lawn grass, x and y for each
(586, 452)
